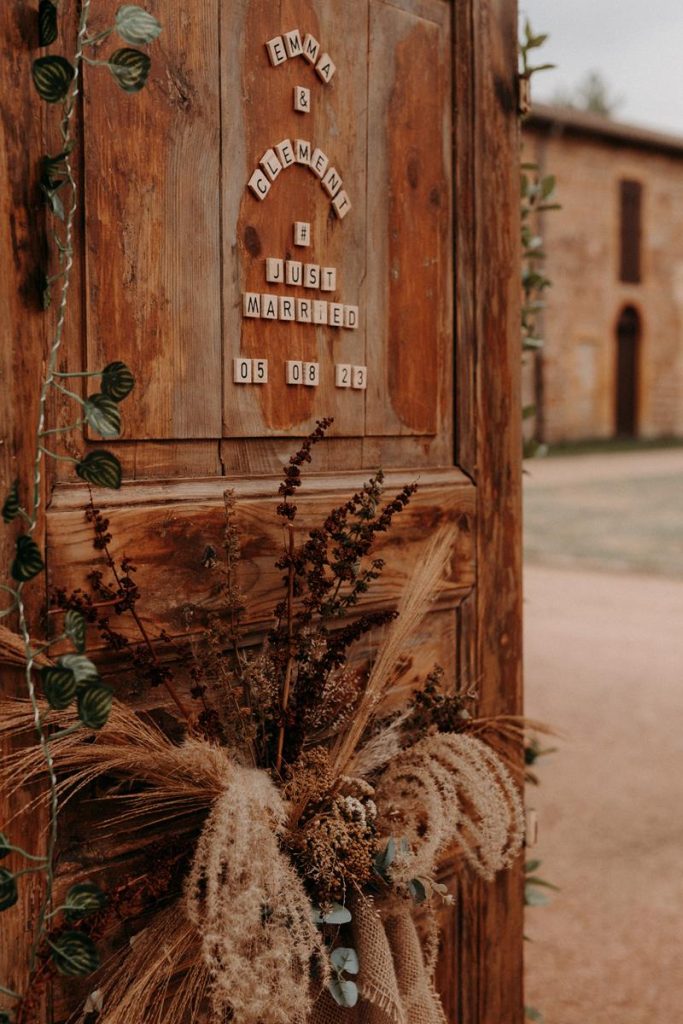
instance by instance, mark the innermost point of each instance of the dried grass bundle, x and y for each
(244, 896)
(181, 778)
(446, 790)
(159, 978)
(419, 592)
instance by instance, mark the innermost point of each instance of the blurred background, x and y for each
(603, 381)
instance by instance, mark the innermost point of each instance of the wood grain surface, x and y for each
(421, 121)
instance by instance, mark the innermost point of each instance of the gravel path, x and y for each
(604, 664)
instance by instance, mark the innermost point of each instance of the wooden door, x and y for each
(419, 123)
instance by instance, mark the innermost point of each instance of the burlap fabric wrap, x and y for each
(396, 971)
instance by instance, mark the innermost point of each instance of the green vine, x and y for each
(74, 677)
(537, 192)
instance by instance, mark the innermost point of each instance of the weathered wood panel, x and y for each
(492, 946)
(259, 114)
(153, 240)
(167, 531)
(410, 224)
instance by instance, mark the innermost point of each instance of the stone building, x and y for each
(612, 364)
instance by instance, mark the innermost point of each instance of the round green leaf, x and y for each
(10, 508)
(28, 561)
(8, 889)
(130, 68)
(336, 914)
(136, 25)
(52, 77)
(75, 955)
(100, 468)
(47, 23)
(103, 415)
(345, 959)
(83, 899)
(5, 846)
(60, 686)
(344, 992)
(83, 669)
(5, 1017)
(117, 381)
(74, 627)
(94, 706)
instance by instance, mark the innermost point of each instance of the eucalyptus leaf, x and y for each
(130, 68)
(47, 23)
(74, 627)
(94, 706)
(10, 508)
(60, 686)
(53, 200)
(83, 669)
(136, 25)
(52, 77)
(344, 992)
(74, 954)
(8, 889)
(100, 468)
(5, 846)
(28, 561)
(336, 914)
(5, 1017)
(417, 890)
(117, 381)
(82, 900)
(345, 959)
(103, 415)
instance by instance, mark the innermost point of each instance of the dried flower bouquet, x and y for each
(306, 822)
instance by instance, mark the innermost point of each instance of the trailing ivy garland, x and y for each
(74, 678)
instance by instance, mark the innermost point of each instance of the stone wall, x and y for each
(582, 242)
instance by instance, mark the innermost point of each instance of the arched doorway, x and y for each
(627, 365)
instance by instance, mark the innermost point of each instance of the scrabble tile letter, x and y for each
(311, 48)
(326, 68)
(259, 371)
(302, 233)
(311, 374)
(341, 204)
(293, 43)
(332, 182)
(319, 311)
(359, 377)
(304, 309)
(286, 308)
(275, 271)
(342, 375)
(295, 273)
(276, 51)
(302, 99)
(328, 279)
(269, 306)
(350, 317)
(252, 304)
(241, 371)
(311, 275)
(285, 151)
(336, 314)
(295, 371)
(302, 152)
(319, 162)
(259, 184)
(270, 164)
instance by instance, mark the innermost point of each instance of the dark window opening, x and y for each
(628, 351)
(631, 194)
